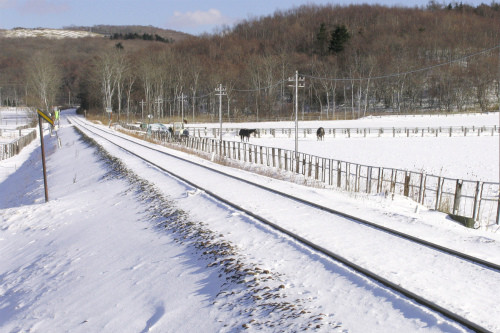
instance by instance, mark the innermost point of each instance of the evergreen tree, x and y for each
(339, 37)
(322, 40)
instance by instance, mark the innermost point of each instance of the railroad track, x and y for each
(95, 130)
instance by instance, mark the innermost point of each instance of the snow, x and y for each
(48, 33)
(400, 152)
(114, 251)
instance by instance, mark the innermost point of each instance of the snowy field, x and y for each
(10, 120)
(11, 117)
(93, 258)
(463, 157)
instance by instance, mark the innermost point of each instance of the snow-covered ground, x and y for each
(463, 157)
(47, 33)
(100, 257)
(10, 120)
(12, 117)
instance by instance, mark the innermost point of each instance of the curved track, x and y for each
(394, 286)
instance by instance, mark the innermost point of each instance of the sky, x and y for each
(190, 16)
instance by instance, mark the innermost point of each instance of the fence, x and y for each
(13, 148)
(359, 132)
(477, 200)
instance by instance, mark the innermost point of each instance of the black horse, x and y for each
(320, 133)
(245, 133)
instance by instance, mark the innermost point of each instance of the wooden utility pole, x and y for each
(41, 115)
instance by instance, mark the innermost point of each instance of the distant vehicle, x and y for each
(157, 128)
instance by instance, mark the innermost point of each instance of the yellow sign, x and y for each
(44, 116)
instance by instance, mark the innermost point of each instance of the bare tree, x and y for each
(44, 79)
(105, 66)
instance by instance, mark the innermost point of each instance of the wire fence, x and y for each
(476, 200)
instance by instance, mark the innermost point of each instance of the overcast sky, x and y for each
(190, 16)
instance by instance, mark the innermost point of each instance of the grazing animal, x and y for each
(245, 133)
(320, 133)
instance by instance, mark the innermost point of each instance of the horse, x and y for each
(320, 133)
(245, 133)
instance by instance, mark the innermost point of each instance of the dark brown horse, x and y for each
(245, 133)
(320, 133)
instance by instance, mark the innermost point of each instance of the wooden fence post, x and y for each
(339, 174)
(406, 191)
(475, 212)
(330, 172)
(393, 181)
(380, 179)
(279, 159)
(458, 195)
(420, 187)
(357, 178)
(347, 175)
(369, 180)
(438, 193)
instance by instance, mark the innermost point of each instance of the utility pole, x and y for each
(43, 115)
(142, 110)
(183, 97)
(297, 85)
(220, 92)
(158, 101)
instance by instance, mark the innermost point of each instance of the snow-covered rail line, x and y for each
(351, 259)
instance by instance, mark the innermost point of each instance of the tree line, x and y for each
(144, 36)
(356, 60)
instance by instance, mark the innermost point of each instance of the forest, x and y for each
(347, 62)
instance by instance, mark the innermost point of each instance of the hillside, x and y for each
(46, 33)
(108, 30)
(356, 60)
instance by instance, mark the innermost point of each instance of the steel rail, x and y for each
(403, 235)
(397, 288)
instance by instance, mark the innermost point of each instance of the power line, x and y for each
(405, 73)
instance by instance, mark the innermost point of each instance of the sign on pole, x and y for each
(45, 116)
(42, 115)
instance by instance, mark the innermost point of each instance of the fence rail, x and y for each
(359, 131)
(10, 149)
(473, 199)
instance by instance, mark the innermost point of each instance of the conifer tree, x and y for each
(339, 37)
(322, 40)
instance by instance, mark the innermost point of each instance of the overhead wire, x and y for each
(407, 72)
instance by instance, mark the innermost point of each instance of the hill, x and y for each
(109, 30)
(356, 59)
(46, 33)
